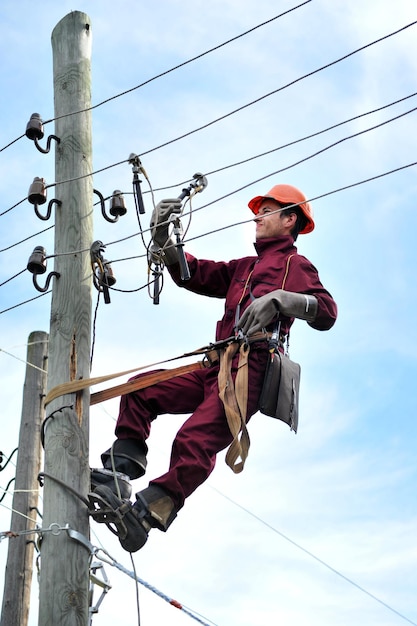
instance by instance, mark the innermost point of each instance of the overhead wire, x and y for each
(316, 153)
(315, 557)
(249, 220)
(166, 72)
(12, 277)
(266, 176)
(218, 119)
(26, 239)
(291, 143)
(231, 165)
(27, 363)
(176, 67)
(11, 308)
(295, 141)
(13, 207)
(222, 228)
(12, 142)
(228, 195)
(275, 91)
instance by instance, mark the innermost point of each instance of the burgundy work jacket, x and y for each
(240, 281)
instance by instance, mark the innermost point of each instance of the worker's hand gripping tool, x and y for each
(197, 186)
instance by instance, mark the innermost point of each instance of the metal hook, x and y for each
(8, 460)
(48, 144)
(48, 280)
(49, 209)
(7, 489)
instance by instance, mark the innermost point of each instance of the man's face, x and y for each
(270, 223)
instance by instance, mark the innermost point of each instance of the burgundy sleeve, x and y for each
(303, 278)
(208, 278)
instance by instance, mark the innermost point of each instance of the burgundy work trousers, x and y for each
(203, 434)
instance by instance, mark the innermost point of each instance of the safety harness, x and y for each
(233, 394)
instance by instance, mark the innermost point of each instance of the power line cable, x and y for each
(318, 152)
(294, 142)
(290, 143)
(27, 363)
(176, 67)
(231, 165)
(316, 558)
(247, 221)
(271, 93)
(233, 225)
(274, 173)
(26, 239)
(12, 142)
(13, 277)
(25, 302)
(330, 64)
(172, 69)
(251, 219)
(13, 207)
(311, 156)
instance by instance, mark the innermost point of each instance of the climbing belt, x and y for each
(233, 394)
(73, 386)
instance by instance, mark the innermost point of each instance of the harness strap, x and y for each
(73, 386)
(235, 400)
(144, 381)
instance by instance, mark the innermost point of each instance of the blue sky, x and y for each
(343, 489)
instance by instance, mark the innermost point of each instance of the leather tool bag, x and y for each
(279, 395)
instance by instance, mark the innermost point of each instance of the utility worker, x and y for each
(254, 299)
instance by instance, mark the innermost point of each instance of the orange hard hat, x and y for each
(286, 194)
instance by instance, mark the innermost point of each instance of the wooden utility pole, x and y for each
(64, 577)
(19, 567)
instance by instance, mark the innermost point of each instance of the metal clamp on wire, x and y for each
(179, 244)
(199, 184)
(135, 161)
(103, 277)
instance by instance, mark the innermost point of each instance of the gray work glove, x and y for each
(265, 309)
(159, 224)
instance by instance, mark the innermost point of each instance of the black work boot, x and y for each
(132, 523)
(155, 508)
(129, 457)
(125, 460)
